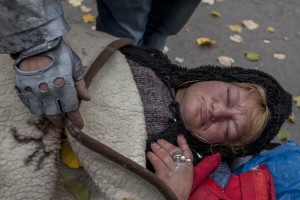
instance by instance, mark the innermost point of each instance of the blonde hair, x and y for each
(258, 118)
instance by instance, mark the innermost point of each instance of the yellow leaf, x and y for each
(179, 59)
(75, 3)
(236, 38)
(215, 14)
(250, 24)
(85, 9)
(165, 50)
(225, 60)
(205, 41)
(297, 100)
(211, 2)
(283, 135)
(235, 28)
(68, 157)
(271, 29)
(292, 118)
(252, 56)
(279, 56)
(88, 18)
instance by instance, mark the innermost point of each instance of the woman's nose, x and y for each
(220, 112)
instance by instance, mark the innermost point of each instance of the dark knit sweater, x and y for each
(155, 96)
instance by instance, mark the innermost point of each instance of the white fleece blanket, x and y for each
(29, 158)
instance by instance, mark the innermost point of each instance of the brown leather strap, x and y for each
(103, 149)
(120, 160)
(103, 57)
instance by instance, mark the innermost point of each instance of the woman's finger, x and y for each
(157, 163)
(184, 147)
(183, 150)
(170, 148)
(163, 155)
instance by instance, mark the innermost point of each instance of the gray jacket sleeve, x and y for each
(25, 24)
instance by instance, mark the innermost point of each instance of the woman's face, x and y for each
(216, 111)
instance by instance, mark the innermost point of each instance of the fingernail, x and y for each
(148, 154)
(180, 136)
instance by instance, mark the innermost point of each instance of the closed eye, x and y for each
(226, 134)
(228, 97)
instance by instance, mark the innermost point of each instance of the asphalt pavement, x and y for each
(276, 40)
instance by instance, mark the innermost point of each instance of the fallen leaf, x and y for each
(179, 60)
(75, 3)
(252, 56)
(236, 38)
(235, 28)
(215, 14)
(250, 24)
(68, 157)
(211, 2)
(205, 41)
(271, 29)
(88, 18)
(283, 135)
(79, 192)
(279, 56)
(85, 9)
(165, 50)
(226, 61)
(292, 118)
(126, 198)
(297, 100)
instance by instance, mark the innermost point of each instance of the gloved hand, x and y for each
(49, 81)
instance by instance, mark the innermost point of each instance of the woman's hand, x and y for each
(176, 172)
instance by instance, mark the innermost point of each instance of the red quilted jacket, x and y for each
(256, 184)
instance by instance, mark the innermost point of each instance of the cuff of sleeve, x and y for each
(15, 43)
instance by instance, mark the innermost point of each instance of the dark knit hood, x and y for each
(278, 100)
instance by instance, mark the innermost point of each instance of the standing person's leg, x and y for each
(125, 18)
(166, 18)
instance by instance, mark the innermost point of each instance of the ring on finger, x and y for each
(178, 157)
